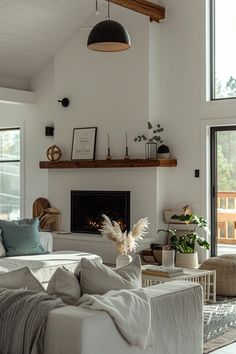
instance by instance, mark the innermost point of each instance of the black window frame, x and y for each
(212, 56)
(212, 50)
(213, 178)
(14, 160)
(8, 129)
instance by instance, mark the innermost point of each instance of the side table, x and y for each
(207, 279)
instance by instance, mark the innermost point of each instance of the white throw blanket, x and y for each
(130, 311)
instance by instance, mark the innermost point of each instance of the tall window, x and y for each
(223, 49)
(10, 173)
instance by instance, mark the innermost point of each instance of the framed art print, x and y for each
(84, 143)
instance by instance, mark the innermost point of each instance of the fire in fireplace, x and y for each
(87, 208)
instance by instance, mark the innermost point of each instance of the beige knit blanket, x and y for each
(23, 315)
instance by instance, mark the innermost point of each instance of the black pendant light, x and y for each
(108, 36)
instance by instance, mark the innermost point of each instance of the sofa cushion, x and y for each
(21, 237)
(97, 278)
(2, 248)
(64, 284)
(43, 266)
(20, 278)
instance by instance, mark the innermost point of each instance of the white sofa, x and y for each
(44, 265)
(177, 325)
(177, 313)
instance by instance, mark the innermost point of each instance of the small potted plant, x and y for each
(163, 152)
(151, 141)
(185, 243)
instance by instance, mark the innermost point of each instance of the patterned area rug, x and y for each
(219, 323)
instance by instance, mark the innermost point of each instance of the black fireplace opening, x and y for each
(87, 208)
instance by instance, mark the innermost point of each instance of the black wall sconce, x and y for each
(64, 102)
(49, 131)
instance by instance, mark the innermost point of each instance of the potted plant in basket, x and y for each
(185, 243)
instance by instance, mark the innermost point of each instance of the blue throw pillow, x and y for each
(21, 237)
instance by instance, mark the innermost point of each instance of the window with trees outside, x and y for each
(10, 173)
(223, 49)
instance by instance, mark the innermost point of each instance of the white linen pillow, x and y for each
(97, 278)
(64, 284)
(20, 278)
(2, 248)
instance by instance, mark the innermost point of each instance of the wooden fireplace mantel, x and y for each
(116, 163)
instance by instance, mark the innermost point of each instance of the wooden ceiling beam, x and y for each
(147, 8)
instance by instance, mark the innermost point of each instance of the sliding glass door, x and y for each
(223, 190)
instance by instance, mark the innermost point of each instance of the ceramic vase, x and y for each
(122, 260)
(187, 260)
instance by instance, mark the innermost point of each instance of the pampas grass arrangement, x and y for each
(126, 242)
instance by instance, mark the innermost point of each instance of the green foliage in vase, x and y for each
(186, 243)
(155, 138)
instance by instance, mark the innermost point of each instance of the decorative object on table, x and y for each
(122, 260)
(151, 142)
(150, 256)
(109, 157)
(126, 157)
(65, 102)
(168, 213)
(163, 152)
(49, 130)
(48, 216)
(84, 143)
(185, 244)
(108, 35)
(54, 153)
(125, 242)
(162, 271)
(168, 256)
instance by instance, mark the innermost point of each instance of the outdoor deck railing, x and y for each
(226, 218)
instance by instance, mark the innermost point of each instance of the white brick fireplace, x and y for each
(142, 184)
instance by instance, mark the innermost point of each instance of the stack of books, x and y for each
(162, 271)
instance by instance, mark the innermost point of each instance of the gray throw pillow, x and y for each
(20, 278)
(21, 237)
(65, 285)
(97, 278)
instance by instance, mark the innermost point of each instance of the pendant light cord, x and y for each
(108, 17)
(108, 9)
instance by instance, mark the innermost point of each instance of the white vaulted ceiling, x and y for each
(31, 31)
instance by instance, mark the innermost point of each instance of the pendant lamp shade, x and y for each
(108, 36)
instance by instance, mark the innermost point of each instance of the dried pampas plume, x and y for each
(140, 229)
(125, 242)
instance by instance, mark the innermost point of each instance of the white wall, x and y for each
(107, 90)
(32, 118)
(112, 92)
(162, 78)
(34, 182)
(184, 109)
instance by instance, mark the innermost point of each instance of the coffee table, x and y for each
(207, 279)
